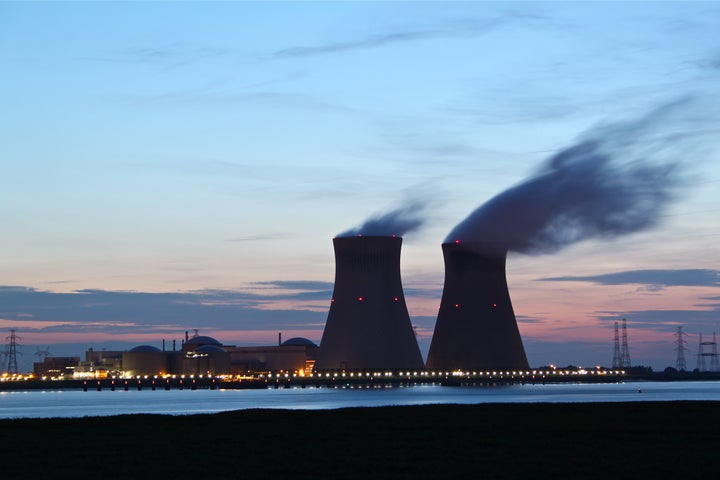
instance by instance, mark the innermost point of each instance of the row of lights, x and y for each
(13, 377)
(456, 373)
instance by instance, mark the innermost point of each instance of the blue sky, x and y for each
(166, 166)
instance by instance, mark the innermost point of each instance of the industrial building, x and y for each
(368, 325)
(56, 367)
(198, 355)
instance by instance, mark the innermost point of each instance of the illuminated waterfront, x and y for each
(77, 403)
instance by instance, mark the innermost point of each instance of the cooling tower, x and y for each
(476, 327)
(368, 326)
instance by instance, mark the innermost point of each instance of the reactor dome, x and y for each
(298, 341)
(210, 349)
(202, 340)
(144, 360)
(145, 349)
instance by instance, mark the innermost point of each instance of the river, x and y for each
(77, 403)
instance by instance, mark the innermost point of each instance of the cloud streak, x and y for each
(460, 28)
(665, 278)
(262, 237)
(131, 312)
(667, 320)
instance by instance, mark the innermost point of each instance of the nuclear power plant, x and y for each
(476, 326)
(368, 325)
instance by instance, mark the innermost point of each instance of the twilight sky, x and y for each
(169, 166)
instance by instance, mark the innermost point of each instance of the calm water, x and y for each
(76, 403)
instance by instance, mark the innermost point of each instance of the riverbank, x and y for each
(564, 440)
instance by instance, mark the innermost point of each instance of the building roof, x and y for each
(203, 340)
(145, 349)
(209, 349)
(298, 341)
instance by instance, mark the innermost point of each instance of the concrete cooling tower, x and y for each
(476, 327)
(368, 326)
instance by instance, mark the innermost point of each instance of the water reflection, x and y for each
(76, 403)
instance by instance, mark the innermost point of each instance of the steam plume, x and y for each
(617, 179)
(400, 221)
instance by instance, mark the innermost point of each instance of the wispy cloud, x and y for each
(296, 285)
(143, 312)
(451, 29)
(204, 97)
(665, 278)
(373, 41)
(167, 56)
(260, 237)
(694, 321)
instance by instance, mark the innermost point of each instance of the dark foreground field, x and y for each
(652, 440)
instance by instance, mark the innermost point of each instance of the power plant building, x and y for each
(198, 355)
(476, 326)
(368, 325)
(294, 354)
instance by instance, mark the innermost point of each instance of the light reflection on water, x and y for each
(76, 403)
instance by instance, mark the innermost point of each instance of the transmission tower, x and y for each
(624, 350)
(713, 354)
(701, 356)
(42, 354)
(12, 352)
(680, 349)
(616, 363)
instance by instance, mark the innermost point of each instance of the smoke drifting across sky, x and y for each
(615, 180)
(401, 221)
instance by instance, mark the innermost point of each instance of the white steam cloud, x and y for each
(401, 221)
(617, 179)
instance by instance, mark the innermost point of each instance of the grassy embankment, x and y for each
(639, 440)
